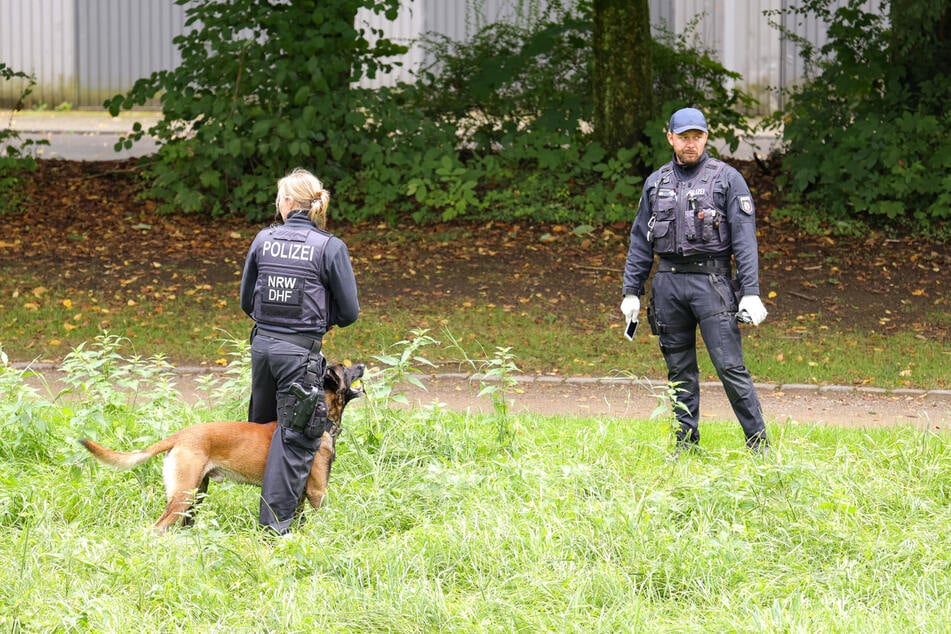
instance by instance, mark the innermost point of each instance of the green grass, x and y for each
(436, 522)
(193, 326)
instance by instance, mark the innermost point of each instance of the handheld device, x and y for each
(630, 329)
(744, 317)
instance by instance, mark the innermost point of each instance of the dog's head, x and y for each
(338, 386)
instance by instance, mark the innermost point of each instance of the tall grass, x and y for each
(435, 523)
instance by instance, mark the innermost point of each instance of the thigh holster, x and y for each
(305, 410)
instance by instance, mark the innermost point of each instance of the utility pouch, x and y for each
(707, 217)
(317, 424)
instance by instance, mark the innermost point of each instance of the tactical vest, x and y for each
(288, 291)
(685, 220)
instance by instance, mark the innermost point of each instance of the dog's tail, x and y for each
(126, 460)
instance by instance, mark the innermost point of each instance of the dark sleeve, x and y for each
(640, 253)
(249, 277)
(343, 307)
(741, 214)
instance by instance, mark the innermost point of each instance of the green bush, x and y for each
(497, 128)
(15, 153)
(261, 88)
(865, 138)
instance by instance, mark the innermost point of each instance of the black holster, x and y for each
(303, 411)
(308, 413)
(651, 319)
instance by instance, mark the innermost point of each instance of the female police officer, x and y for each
(697, 214)
(297, 284)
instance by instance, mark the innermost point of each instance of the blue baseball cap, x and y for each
(687, 119)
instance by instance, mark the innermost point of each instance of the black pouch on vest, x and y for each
(706, 229)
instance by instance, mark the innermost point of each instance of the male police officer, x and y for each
(297, 283)
(696, 213)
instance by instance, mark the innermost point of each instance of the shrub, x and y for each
(262, 88)
(15, 153)
(864, 138)
(497, 127)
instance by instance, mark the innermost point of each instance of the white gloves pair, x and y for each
(630, 307)
(752, 304)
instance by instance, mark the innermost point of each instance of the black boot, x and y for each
(758, 444)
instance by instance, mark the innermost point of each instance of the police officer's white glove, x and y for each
(752, 305)
(630, 307)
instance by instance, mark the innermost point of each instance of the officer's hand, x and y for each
(630, 307)
(753, 306)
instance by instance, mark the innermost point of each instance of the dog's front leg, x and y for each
(320, 472)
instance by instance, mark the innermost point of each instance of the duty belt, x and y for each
(709, 267)
(311, 343)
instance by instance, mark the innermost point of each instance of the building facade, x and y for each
(85, 51)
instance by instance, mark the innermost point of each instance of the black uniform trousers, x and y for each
(681, 301)
(275, 365)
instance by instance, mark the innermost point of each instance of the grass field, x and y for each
(442, 521)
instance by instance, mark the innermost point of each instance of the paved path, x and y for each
(89, 135)
(839, 405)
(80, 135)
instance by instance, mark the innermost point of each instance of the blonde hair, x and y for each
(307, 192)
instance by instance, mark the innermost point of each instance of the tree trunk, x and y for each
(622, 76)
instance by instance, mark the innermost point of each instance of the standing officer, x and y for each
(696, 213)
(297, 284)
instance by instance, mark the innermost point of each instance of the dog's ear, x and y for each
(332, 378)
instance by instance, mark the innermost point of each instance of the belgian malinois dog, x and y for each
(232, 451)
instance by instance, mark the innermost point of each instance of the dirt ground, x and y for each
(89, 227)
(923, 410)
(550, 396)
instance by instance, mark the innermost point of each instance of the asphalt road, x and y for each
(89, 135)
(80, 135)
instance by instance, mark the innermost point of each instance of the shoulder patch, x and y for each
(746, 204)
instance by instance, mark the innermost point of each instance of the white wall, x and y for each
(83, 51)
